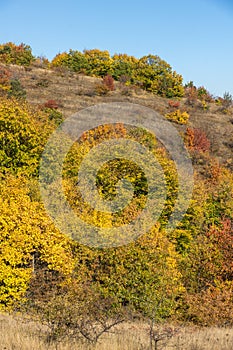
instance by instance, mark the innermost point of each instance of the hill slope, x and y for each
(73, 92)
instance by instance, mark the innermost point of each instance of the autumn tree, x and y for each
(124, 67)
(16, 54)
(100, 62)
(23, 134)
(157, 76)
(28, 241)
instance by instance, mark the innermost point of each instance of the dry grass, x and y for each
(74, 92)
(24, 335)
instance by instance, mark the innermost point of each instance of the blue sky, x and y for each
(195, 37)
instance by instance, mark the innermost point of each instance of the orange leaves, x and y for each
(212, 306)
(104, 132)
(51, 104)
(223, 237)
(197, 140)
(174, 104)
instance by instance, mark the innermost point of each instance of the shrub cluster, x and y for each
(82, 292)
(10, 87)
(197, 96)
(178, 116)
(16, 54)
(16, 90)
(50, 107)
(174, 104)
(149, 72)
(197, 140)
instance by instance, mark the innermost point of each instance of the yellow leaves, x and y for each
(99, 62)
(23, 132)
(14, 282)
(124, 58)
(14, 243)
(59, 59)
(178, 116)
(97, 54)
(25, 230)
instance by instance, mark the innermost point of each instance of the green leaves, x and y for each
(16, 54)
(149, 72)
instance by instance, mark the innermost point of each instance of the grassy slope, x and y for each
(74, 92)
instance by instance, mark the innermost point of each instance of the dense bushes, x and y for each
(186, 274)
(23, 133)
(10, 87)
(149, 72)
(28, 240)
(158, 275)
(16, 54)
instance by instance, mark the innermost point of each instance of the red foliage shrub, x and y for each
(51, 104)
(197, 140)
(108, 81)
(223, 238)
(174, 104)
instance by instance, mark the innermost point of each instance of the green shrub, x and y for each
(54, 115)
(150, 72)
(74, 60)
(16, 90)
(227, 99)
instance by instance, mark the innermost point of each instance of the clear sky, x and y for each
(195, 37)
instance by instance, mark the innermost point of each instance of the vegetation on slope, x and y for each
(186, 274)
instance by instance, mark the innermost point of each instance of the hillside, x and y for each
(73, 92)
(81, 278)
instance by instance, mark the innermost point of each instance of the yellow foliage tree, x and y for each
(100, 62)
(28, 240)
(23, 134)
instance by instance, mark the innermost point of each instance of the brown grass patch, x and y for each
(23, 334)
